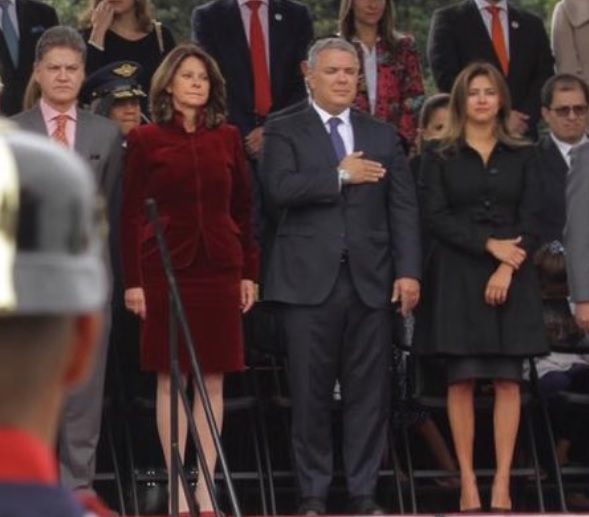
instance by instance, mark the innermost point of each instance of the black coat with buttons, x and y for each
(465, 202)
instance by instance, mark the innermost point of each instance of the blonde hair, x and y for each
(143, 13)
(160, 100)
(454, 133)
(32, 94)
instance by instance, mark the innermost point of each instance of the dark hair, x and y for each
(550, 262)
(454, 133)
(561, 328)
(160, 100)
(386, 25)
(562, 83)
(429, 107)
(431, 104)
(60, 36)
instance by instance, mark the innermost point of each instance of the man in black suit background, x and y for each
(347, 243)
(23, 22)
(223, 28)
(565, 98)
(512, 39)
(261, 66)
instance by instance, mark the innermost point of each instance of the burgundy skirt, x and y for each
(211, 297)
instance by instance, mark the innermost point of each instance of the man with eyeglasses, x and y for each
(564, 108)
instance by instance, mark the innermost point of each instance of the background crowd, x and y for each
(314, 169)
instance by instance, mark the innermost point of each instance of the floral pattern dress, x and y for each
(399, 92)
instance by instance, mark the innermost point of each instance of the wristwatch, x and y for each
(344, 176)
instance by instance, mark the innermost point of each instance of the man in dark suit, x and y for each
(59, 72)
(512, 39)
(223, 28)
(27, 20)
(347, 244)
(564, 108)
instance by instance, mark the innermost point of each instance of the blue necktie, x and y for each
(336, 138)
(9, 31)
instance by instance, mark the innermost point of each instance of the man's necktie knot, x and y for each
(254, 5)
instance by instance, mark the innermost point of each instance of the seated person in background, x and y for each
(53, 290)
(562, 371)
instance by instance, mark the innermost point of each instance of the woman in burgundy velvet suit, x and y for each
(193, 165)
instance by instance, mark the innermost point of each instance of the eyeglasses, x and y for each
(580, 110)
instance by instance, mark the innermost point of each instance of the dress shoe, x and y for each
(311, 506)
(365, 505)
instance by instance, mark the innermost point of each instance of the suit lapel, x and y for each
(234, 35)
(83, 135)
(516, 40)
(554, 157)
(37, 123)
(358, 129)
(320, 141)
(26, 40)
(278, 41)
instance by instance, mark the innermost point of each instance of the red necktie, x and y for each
(262, 93)
(59, 135)
(498, 38)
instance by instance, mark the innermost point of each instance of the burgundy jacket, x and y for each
(201, 185)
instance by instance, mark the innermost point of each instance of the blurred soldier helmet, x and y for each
(51, 229)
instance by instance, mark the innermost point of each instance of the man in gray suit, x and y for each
(576, 233)
(347, 245)
(59, 73)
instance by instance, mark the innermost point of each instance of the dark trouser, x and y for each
(346, 340)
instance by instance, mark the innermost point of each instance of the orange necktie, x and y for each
(499, 38)
(262, 92)
(59, 135)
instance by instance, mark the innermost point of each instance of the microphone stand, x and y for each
(178, 319)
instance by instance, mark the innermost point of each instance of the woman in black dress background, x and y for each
(481, 307)
(125, 30)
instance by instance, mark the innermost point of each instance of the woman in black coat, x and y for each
(481, 307)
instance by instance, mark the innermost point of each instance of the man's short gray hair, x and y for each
(329, 44)
(60, 36)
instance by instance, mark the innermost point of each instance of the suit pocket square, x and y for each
(38, 29)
